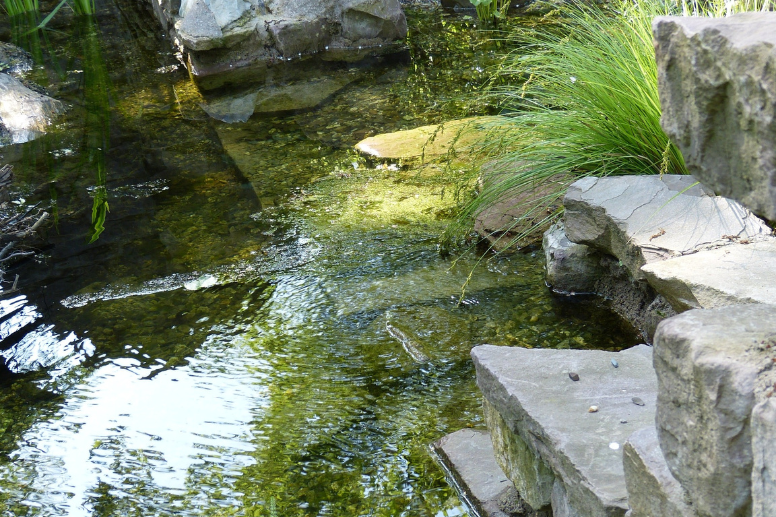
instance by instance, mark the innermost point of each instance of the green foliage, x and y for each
(489, 9)
(17, 7)
(580, 87)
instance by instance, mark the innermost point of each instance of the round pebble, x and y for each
(614, 446)
(615, 363)
(573, 376)
(637, 401)
(592, 409)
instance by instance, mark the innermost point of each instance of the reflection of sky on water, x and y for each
(149, 438)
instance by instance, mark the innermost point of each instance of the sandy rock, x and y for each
(718, 97)
(712, 368)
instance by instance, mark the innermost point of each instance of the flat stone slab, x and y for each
(429, 141)
(731, 275)
(713, 367)
(468, 456)
(652, 489)
(534, 394)
(644, 219)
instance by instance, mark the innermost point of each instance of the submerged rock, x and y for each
(718, 97)
(14, 60)
(24, 114)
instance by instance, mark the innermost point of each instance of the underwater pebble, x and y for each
(615, 363)
(573, 376)
(637, 401)
(592, 409)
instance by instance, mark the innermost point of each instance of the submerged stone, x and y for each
(24, 114)
(457, 136)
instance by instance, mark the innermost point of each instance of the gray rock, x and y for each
(220, 35)
(643, 219)
(232, 109)
(731, 275)
(718, 97)
(560, 502)
(24, 114)
(652, 489)
(198, 28)
(531, 391)
(709, 365)
(529, 474)
(764, 456)
(571, 267)
(14, 60)
(467, 455)
(294, 37)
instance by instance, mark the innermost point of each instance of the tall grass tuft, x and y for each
(17, 7)
(580, 89)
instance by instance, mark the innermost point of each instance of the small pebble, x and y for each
(592, 409)
(615, 363)
(637, 401)
(614, 446)
(623, 421)
(573, 376)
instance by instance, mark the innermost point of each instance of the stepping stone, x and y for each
(652, 489)
(532, 392)
(731, 275)
(467, 456)
(645, 219)
(430, 141)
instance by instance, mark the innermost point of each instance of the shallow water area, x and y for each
(235, 314)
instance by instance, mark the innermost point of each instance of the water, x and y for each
(265, 320)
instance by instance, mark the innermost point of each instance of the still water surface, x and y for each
(265, 323)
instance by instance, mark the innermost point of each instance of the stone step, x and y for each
(652, 489)
(575, 428)
(645, 219)
(735, 274)
(467, 457)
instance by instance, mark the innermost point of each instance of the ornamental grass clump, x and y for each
(580, 91)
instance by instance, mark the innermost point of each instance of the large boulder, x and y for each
(713, 367)
(24, 113)
(644, 219)
(219, 35)
(718, 97)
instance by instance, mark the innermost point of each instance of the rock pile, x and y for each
(688, 429)
(218, 35)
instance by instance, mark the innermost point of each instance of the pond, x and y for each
(235, 314)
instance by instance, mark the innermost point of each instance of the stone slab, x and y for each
(652, 489)
(717, 94)
(532, 391)
(429, 141)
(731, 275)
(713, 366)
(644, 219)
(468, 456)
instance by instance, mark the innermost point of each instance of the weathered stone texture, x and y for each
(764, 456)
(532, 392)
(652, 489)
(710, 367)
(644, 219)
(571, 267)
(718, 97)
(731, 275)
